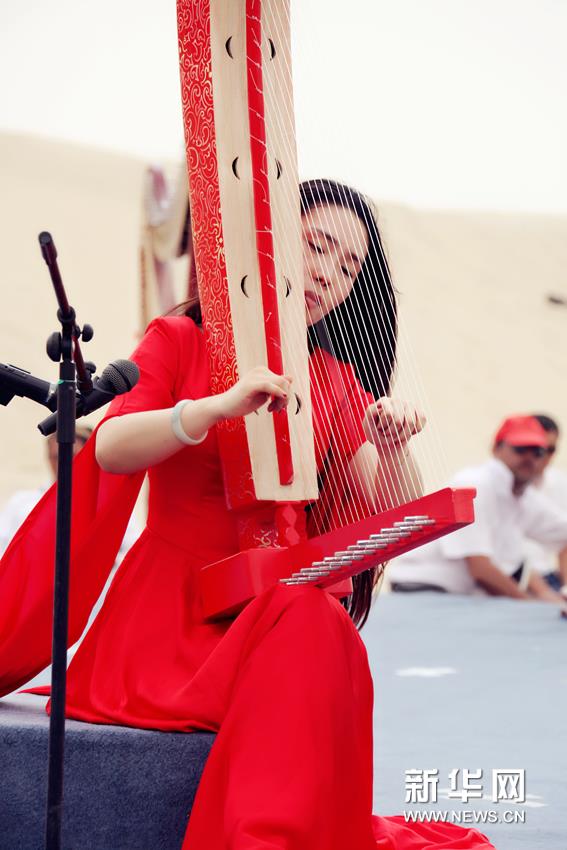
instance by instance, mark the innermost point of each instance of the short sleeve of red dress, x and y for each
(339, 403)
(348, 433)
(166, 345)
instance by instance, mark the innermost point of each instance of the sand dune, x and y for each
(473, 288)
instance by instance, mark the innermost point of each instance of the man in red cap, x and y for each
(521, 444)
(488, 555)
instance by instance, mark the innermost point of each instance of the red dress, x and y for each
(286, 685)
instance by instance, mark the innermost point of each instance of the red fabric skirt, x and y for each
(289, 693)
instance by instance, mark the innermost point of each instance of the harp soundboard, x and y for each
(333, 558)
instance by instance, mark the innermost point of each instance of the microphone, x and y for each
(119, 377)
(15, 381)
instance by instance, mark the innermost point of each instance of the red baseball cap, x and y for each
(521, 431)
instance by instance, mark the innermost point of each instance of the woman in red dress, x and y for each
(286, 685)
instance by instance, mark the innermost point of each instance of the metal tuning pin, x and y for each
(309, 572)
(360, 550)
(339, 562)
(367, 541)
(352, 555)
(387, 534)
(307, 575)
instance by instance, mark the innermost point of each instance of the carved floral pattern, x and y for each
(195, 63)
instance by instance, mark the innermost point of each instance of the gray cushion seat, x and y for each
(125, 789)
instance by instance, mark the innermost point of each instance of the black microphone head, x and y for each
(119, 377)
(47, 246)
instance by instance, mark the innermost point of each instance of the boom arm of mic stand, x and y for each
(66, 312)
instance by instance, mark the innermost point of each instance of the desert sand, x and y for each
(479, 339)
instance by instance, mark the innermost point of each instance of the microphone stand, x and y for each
(62, 347)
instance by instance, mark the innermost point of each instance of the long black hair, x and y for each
(361, 331)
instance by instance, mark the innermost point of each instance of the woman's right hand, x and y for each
(252, 391)
(136, 441)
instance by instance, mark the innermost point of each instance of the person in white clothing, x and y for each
(488, 556)
(548, 560)
(22, 502)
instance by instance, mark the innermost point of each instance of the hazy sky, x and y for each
(443, 103)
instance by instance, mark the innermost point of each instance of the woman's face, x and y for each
(335, 242)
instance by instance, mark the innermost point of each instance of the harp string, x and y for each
(414, 384)
(371, 468)
(297, 327)
(387, 331)
(432, 452)
(351, 336)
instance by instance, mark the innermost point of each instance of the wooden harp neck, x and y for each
(244, 194)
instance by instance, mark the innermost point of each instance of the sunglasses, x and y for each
(536, 451)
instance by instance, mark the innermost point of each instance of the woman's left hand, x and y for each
(391, 423)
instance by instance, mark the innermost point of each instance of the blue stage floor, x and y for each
(475, 683)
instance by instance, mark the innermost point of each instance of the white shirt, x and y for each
(502, 523)
(22, 503)
(553, 486)
(15, 511)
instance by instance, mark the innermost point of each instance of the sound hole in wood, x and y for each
(272, 48)
(235, 168)
(287, 287)
(243, 285)
(298, 404)
(228, 47)
(279, 169)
